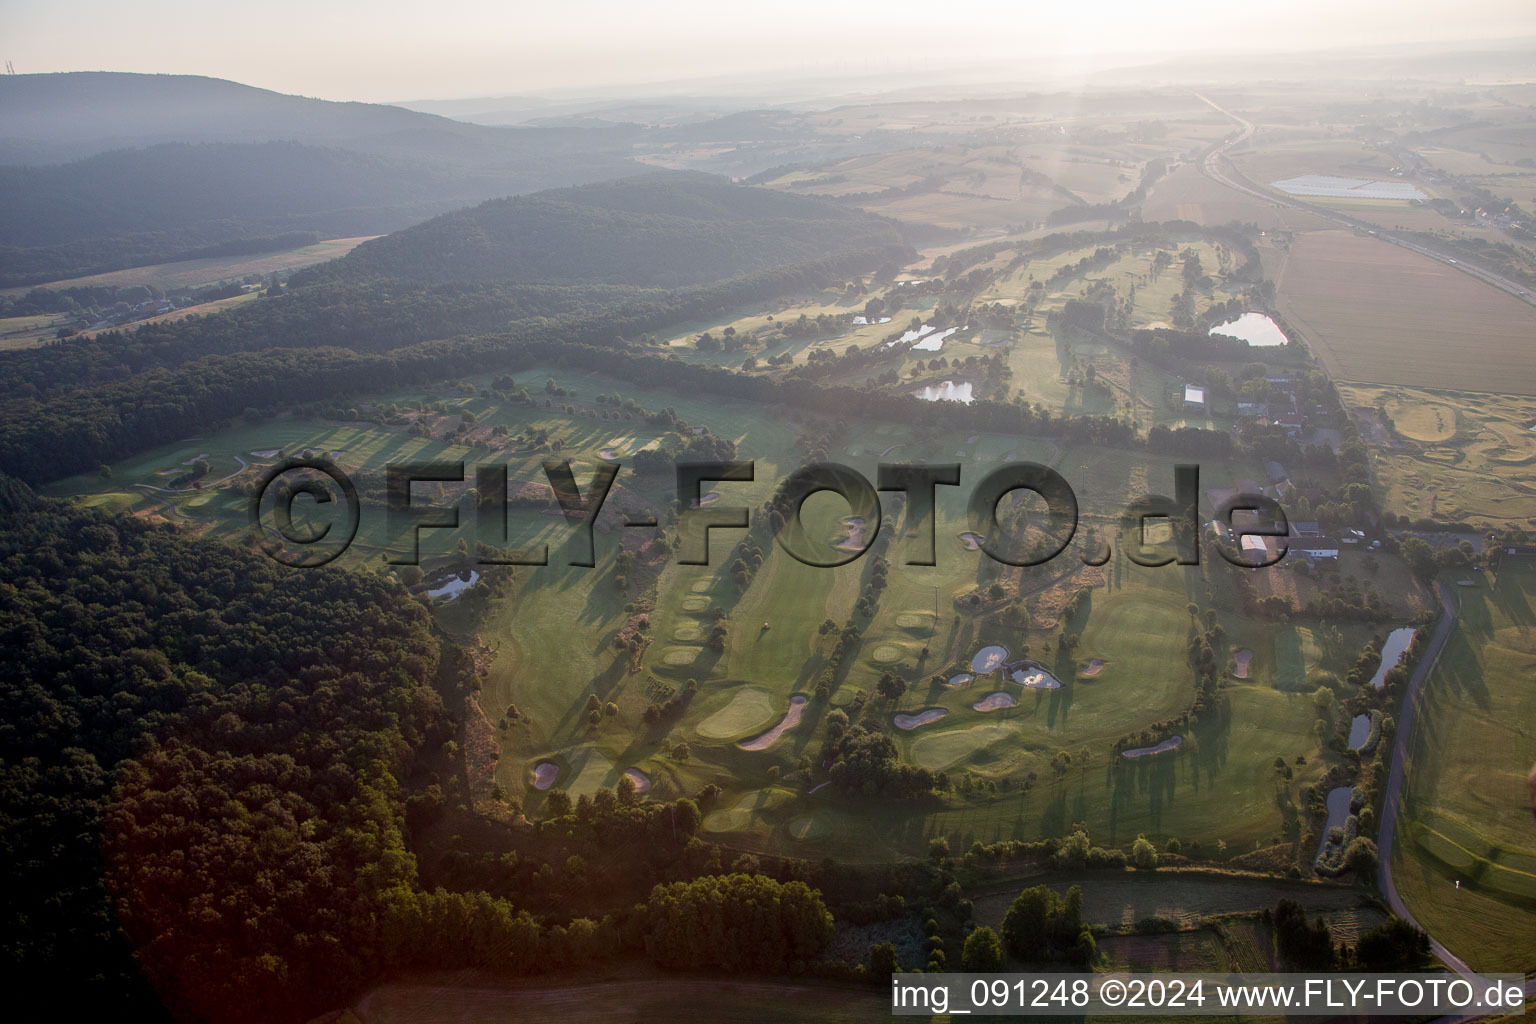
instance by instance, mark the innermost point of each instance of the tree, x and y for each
(557, 804)
(1419, 556)
(938, 851)
(1360, 857)
(735, 923)
(891, 687)
(983, 953)
(1393, 945)
(1144, 854)
(882, 961)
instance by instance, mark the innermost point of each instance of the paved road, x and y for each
(1220, 170)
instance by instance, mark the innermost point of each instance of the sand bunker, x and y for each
(1241, 660)
(199, 455)
(995, 702)
(641, 780)
(706, 499)
(789, 721)
(989, 659)
(972, 541)
(544, 774)
(1034, 677)
(961, 679)
(1171, 743)
(608, 453)
(921, 718)
(1094, 668)
(267, 453)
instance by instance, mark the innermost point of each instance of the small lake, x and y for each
(1359, 731)
(934, 342)
(948, 391)
(1338, 810)
(1254, 328)
(1035, 678)
(1171, 743)
(1392, 653)
(989, 659)
(455, 586)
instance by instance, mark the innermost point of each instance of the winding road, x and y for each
(1220, 169)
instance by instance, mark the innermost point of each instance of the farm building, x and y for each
(1194, 397)
(1305, 529)
(1318, 547)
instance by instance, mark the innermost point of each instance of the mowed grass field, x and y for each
(1467, 811)
(1377, 313)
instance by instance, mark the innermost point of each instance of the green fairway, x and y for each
(1466, 810)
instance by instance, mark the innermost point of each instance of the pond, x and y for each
(948, 391)
(1034, 677)
(934, 342)
(989, 659)
(1392, 653)
(1338, 811)
(1171, 743)
(1359, 731)
(1256, 329)
(454, 586)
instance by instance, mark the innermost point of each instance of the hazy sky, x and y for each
(419, 49)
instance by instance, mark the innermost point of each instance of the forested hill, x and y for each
(104, 171)
(49, 119)
(656, 230)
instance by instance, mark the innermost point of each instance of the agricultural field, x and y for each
(1452, 456)
(29, 331)
(198, 273)
(1374, 312)
(1466, 810)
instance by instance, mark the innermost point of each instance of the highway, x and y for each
(1216, 166)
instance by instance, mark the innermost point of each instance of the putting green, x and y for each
(941, 749)
(887, 654)
(749, 710)
(703, 586)
(914, 620)
(695, 604)
(687, 632)
(679, 656)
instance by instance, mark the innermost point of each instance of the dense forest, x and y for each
(224, 788)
